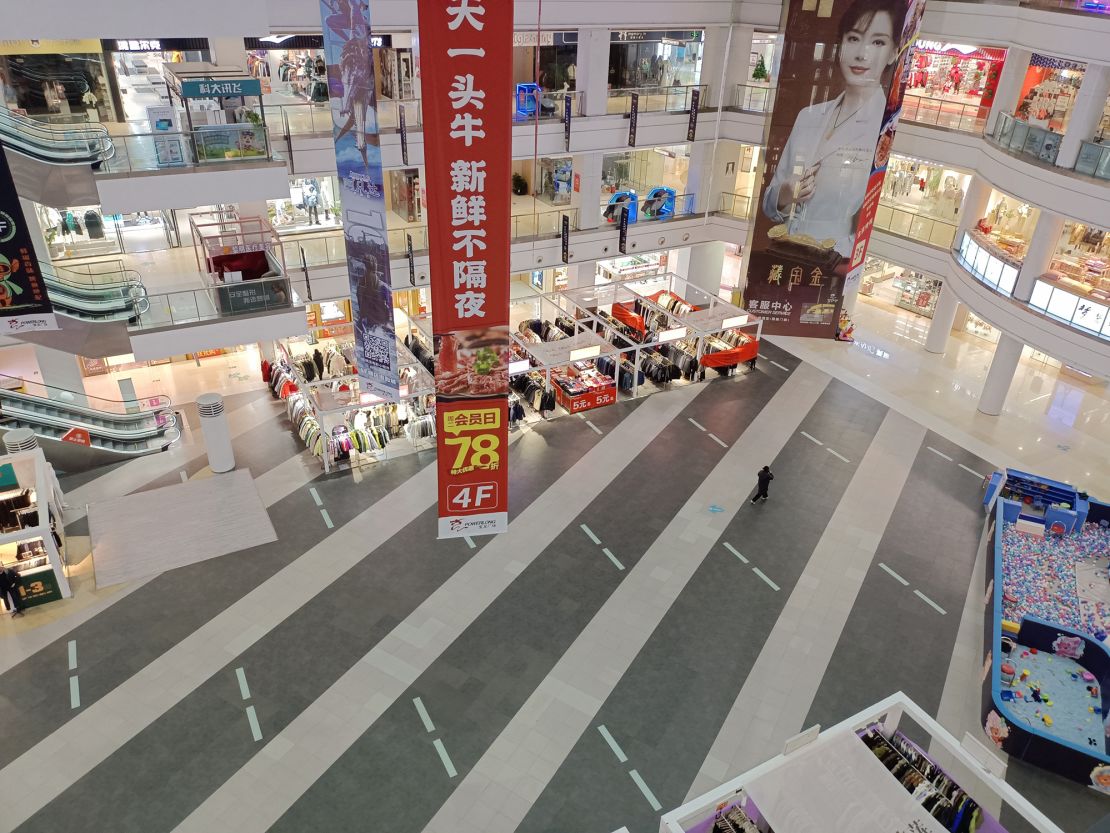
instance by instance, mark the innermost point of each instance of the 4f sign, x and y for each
(473, 497)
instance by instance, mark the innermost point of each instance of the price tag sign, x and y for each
(472, 467)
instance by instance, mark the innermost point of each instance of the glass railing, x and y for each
(309, 118)
(1043, 145)
(987, 265)
(208, 145)
(542, 224)
(322, 249)
(914, 226)
(1076, 310)
(548, 104)
(649, 210)
(155, 405)
(952, 115)
(657, 99)
(753, 98)
(735, 205)
(225, 300)
(97, 273)
(1099, 7)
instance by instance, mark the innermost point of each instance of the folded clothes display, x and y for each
(586, 380)
(941, 797)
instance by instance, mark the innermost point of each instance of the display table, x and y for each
(584, 392)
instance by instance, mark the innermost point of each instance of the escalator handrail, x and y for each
(33, 74)
(39, 141)
(26, 124)
(147, 404)
(51, 273)
(74, 419)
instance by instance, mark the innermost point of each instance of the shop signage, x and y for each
(252, 296)
(77, 436)
(592, 399)
(157, 45)
(533, 38)
(243, 248)
(622, 241)
(39, 588)
(358, 160)
(566, 238)
(656, 36)
(568, 101)
(412, 259)
(826, 158)
(24, 304)
(633, 117)
(403, 128)
(220, 88)
(8, 479)
(695, 103)
(466, 47)
(84, 46)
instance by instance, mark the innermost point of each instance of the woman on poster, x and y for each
(819, 183)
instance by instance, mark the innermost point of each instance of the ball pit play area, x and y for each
(1045, 700)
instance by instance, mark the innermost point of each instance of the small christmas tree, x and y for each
(760, 71)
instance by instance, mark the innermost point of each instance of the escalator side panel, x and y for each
(58, 186)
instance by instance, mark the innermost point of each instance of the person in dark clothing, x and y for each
(9, 591)
(764, 478)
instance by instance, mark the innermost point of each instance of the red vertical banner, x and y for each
(466, 94)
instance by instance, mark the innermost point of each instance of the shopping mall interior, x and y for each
(239, 609)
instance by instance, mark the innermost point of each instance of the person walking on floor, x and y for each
(764, 478)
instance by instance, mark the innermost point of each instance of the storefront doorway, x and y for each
(136, 70)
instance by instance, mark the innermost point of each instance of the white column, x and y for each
(737, 70)
(253, 208)
(1006, 355)
(581, 274)
(1090, 102)
(227, 52)
(944, 317)
(587, 199)
(58, 369)
(714, 58)
(701, 181)
(974, 206)
(267, 351)
(1009, 84)
(592, 70)
(34, 228)
(1038, 257)
(702, 265)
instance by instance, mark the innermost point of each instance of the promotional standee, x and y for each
(825, 161)
(24, 304)
(467, 51)
(350, 68)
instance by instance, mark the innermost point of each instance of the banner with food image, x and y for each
(842, 77)
(466, 76)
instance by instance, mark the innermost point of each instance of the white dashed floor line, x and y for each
(930, 602)
(838, 456)
(811, 438)
(939, 453)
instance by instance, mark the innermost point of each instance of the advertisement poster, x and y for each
(359, 163)
(24, 304)
(827, 149)
(467, 75)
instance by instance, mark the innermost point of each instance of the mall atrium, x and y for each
(478, 416)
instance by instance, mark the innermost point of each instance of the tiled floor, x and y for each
(363, 675)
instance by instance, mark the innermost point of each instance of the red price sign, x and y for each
(473, 494)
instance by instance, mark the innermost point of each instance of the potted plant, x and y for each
(520, 185)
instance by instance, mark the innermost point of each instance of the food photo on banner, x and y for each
(467, 50)
(347, 53)
(840, 92)
(24, 303)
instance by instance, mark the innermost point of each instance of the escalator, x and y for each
(94, 307)
(78, 432)
(54, 165)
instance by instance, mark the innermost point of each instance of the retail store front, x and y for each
(32, 534)
(994, 249)
(654, 58)
(138, 70)
(898, 286)
(1076, 288)
(55, 80)
(956, 72)
(313, 204)
(921, 200)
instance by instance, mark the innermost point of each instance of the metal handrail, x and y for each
(53, 271)
(207, 303)
(121, 407)
(67, 145)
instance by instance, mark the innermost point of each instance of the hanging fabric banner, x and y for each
(568, 100)
(466, 87)
(695, 105)
(24, 304)
(633, 117)
(350, 63)
(403, 128)
(827, 149)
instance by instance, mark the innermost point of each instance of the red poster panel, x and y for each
(842, 76)
(466, 91)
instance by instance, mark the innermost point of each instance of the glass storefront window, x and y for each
(313, 204)
(654, 59)
(1047, 95)
(55, 87)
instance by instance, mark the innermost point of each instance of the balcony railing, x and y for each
(735, 205)
(225, 300)
(914, 226)
(1038, 143)
(314, 119)
(648, 211)
(209, 145)
(952, 115)
(753, 98)
(657, 99)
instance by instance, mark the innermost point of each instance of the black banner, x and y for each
(622, 243)
(566, 238)
(412, 260)
(568, 99)
(695, 102)
(404, 130)
(24, 304)
(633, 113)
(304, 42)
(157, 45)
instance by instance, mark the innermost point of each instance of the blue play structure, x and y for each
(659, 203)
(622, 199)
(527, 99)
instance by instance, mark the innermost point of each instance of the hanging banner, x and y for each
(404, 131)
(466, 51)
(566, 238)
(412, 259)
(568, 100)
(622, 241)
(695, 103)
(24, 304)
(827, 149)
(633, 114)
(359, 163)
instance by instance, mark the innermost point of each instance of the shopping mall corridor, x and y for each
(642, 631)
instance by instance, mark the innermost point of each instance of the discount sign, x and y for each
(472, 498)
